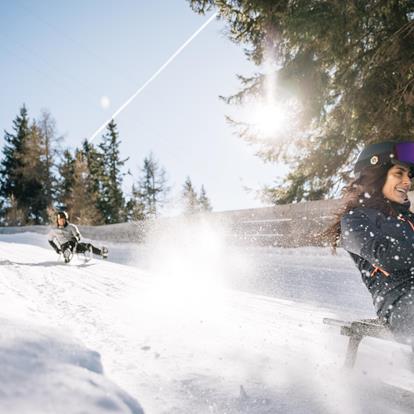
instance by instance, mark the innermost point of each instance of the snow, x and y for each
(188, 325)
(44, 371)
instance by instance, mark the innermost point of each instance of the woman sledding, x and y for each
(65, 239)
(376, 227)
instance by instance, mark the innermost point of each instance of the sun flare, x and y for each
(270, 119)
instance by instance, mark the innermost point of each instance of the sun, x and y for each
(270, 119)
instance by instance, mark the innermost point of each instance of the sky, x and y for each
(74, 58)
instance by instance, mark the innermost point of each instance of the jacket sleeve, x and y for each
(361, 236)
(51, 235)
(75, 232)
(55, 246)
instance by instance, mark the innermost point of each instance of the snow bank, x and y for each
(44, 371)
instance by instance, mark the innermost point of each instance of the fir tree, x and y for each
(190, 198)
(203, 201)
(51, 151)
(344, 67)
(135, 208)
(111, 199)
(152, 187)
(66, 180)
(34, 177)
(14, 215)
(11, 171)
(27, 170)
(95, 162)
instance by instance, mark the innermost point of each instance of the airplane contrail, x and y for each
(155, 75)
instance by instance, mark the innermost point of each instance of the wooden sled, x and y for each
(356, 331)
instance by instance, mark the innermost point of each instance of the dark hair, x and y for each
(364, 191)
(62, 214)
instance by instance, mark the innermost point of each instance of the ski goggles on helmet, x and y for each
(386, 153)
(404, 152)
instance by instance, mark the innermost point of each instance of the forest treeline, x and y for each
(39, 177)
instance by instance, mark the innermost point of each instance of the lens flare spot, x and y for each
(105, 102)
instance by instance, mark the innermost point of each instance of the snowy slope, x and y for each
(172, 331)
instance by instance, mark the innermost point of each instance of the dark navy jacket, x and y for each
(382, 248)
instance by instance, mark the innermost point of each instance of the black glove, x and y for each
(55, 247)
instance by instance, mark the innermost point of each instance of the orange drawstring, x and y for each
(378, 269)
(409, 222)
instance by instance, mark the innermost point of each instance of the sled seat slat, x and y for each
(356, 331)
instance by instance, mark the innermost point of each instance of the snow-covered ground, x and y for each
(188, 325)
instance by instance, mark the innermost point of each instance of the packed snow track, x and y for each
(236, 331)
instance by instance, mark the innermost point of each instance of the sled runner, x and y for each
(356, 331)
(69, 250)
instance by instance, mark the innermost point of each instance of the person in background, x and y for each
(65, 239)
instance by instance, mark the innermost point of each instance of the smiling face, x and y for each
(397, 184)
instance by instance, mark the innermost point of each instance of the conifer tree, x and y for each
(51, 151)
(343, 67)
(152, 187)
(27, 169)
(111, 198)
(11, 172)
(203, 201)
(190, 198)
(34, 175)
(95, 162)
(66, 180)
(13, 215)
(135, 208)
(82, 207)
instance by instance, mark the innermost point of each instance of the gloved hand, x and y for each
(55, 247)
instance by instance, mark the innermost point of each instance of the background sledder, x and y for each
(65, 239)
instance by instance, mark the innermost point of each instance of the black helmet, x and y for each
(62, 214)
(386, 153)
